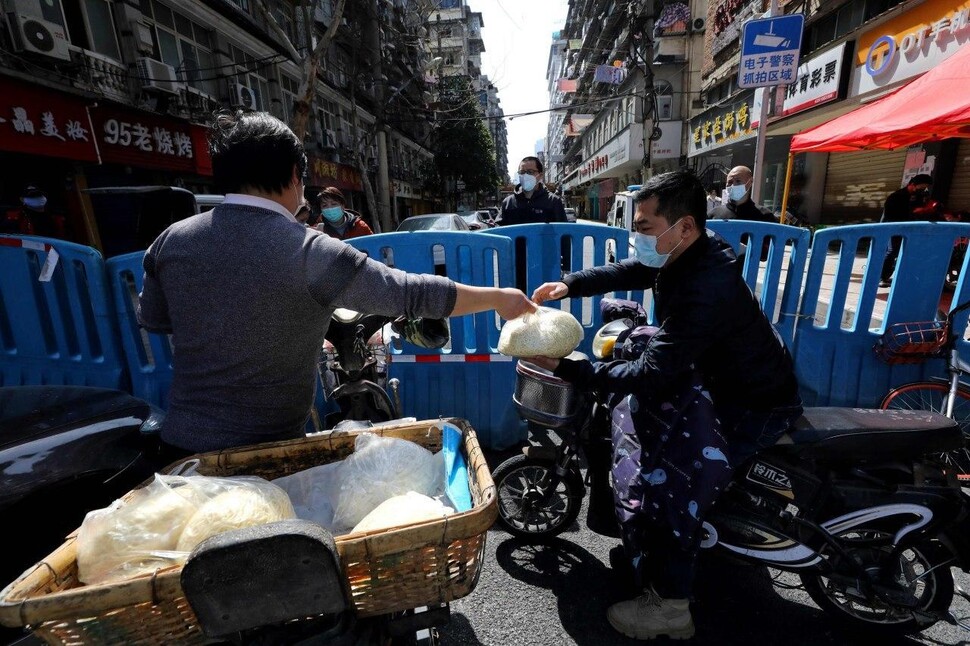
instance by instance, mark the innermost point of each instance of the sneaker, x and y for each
(649, 616)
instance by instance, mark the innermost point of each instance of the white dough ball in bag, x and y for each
(546, 333)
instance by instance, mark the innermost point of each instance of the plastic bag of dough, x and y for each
(378, 469)
(140, 533)
(401, 510)
(548, 332)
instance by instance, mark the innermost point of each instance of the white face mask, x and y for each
(527, 182)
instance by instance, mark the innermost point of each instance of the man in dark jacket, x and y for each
(910, 203)
(710, 326)
(531, 202)
(739, 205)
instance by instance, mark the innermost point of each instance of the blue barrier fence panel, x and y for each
(548, 251)
(844, 312)
(149, 355)
(777, 279)
(56, 322)
(467, 378)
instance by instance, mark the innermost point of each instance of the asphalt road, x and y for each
(558, 595)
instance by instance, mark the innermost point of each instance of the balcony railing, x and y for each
(102, 75)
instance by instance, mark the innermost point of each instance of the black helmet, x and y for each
(423, 332)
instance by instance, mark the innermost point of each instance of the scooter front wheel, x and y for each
(533, 503)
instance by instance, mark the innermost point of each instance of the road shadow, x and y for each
(459, 631)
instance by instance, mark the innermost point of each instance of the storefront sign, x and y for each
(669, 144)
(326, 173)
(38, 121)
(727, 19)
(625, 148)
(403, 189)
(721, 126)
(910, 44)
(146, 140)
(818, 81)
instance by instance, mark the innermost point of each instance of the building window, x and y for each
(183, 44)
(90, 25)
(248, 72)
(289, 88)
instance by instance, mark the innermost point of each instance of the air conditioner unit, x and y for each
(156, 75)
(698, 25)
(38, 36)
(242, 96)
(142, 35)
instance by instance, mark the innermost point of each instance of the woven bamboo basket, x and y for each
(388, 570)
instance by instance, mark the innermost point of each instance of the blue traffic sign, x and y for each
(769, 51)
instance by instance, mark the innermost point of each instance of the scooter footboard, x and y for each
(265, 575)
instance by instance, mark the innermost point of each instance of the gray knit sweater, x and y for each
(247, 296)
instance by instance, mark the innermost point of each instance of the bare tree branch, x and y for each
(328, 35)
(274, 26)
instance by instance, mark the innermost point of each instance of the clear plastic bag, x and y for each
(381, 468)
(158, 525)
(548, 332)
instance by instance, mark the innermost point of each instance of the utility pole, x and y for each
(759, 151)
(643, 22)
(383, 177)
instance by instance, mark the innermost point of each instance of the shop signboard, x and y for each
(769, 51)
(327, 173)
(38, 121)
(723, 125)
(910, 44)
(625, 148)
(669, 144)
(819, 81)
(146, 140)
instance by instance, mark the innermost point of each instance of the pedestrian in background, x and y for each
(33, 218)
(908, 204)
(531, 202)
(338, 221)
(713, 200)
(739, 205)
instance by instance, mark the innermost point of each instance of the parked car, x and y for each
(570, 215)
(435, 222)
(478, 220)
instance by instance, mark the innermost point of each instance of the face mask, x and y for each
(737, 192)
(333, 213)
(528, 182)
(645, 249)
(35, 202)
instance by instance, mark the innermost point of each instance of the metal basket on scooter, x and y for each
(544, 399)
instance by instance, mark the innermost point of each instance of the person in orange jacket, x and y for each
(33, 218)
(337, 220)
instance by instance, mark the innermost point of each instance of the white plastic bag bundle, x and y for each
(548, 332)
(381, 468)
(400, 510)
(144, 532)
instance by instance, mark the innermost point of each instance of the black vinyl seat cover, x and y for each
(853, 433)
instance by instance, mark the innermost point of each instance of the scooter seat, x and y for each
(859, 433)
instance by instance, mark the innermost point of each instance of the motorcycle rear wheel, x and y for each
(922, 572)
(528, 511)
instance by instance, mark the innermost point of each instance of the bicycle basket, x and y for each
(911, 342)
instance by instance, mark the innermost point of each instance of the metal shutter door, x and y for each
(857, 184)
(959, 197)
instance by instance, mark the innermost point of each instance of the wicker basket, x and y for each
(912, 342)
(388, 570)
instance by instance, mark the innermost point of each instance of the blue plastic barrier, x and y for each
(834, 360)
(149, 355)
(467, 379)
(778, 281)
(585, 246)
(61, 330)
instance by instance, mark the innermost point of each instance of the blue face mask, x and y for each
(333, 214)
(645, 249)
(527, 182)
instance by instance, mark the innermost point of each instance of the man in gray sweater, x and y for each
(247, 292)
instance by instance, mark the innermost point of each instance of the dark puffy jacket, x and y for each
(543, 206)
(708, 318)
(354, 228)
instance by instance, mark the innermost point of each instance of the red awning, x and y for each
(934, 106)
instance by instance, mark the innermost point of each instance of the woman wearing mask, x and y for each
(337, 221)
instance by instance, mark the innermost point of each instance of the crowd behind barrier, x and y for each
(73, 321)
